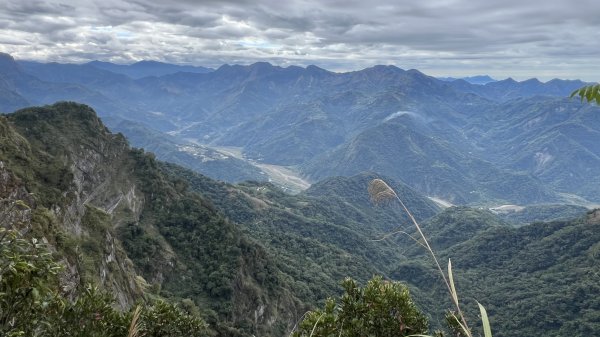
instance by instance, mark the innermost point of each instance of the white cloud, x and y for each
(441, 37)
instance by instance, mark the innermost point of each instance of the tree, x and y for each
(32, 305)
(380, 309)
(28, 275)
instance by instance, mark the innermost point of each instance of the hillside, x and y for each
(536, 279)
(199, 158)
(556, 141)
(429, 164)
(491, 256)
(320, 236)
(546, 272)
(113, 217)
(253, 258)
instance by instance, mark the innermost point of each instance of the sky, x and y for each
(507, 38)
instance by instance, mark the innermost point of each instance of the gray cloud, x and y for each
(441, 37)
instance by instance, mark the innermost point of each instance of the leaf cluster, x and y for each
(380, 308)
(590, 93)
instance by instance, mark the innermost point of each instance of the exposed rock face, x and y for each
(95, 183)
(115, 220)
(594, 216)
(12, 192)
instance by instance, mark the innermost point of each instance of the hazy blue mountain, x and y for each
(508, 89)
(295, 116)
(32, 90)
(36, 91)
(147, 68)
(432, 166)
(84, 74)
(10, 100)
(196, 157)
(555, 140)
(337, 107)
(478, 79)
(143, 69)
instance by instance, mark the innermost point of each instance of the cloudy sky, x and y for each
(522, 39)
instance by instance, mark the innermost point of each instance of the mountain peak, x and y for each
(148, 63)
(8, 63)
(261, 65)
(532, 81)
(386, 68)
(63, 115)
(6, 57)
(314, 70)
(313, 67)
(476, 79)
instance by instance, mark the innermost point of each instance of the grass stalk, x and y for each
(135, 326)
(380, 191)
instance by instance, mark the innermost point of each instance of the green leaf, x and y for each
(589, 93)
(451, 279)
(487, 329)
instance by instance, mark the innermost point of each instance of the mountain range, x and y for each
(478, 79)
(503, 142)
(253, 258)
(452, 140)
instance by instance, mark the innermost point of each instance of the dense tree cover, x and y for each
(195, 240)
(283, 224)
(117, 221)
(31, 303)
(320, 236)
(538, 213)
(228, 275)
(547, 272)
(380, 309)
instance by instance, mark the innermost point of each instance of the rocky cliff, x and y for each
(115, 220)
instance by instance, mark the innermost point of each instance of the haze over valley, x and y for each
(504, 142)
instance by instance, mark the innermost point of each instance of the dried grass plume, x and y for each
(380, 191)
(135, 327)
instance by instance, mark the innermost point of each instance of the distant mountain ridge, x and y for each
(297, 117)
(509, 89)
(143, 69)
(478, 79)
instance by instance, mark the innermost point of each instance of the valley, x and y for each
(462, 142)
(289, 180)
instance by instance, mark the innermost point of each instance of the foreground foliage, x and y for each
(32, 305)
(590, 93)
(381, 308)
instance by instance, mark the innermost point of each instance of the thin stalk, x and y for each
(414, 221)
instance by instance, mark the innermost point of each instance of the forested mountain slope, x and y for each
(114, 217)
(253, 258)
(538, 279)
